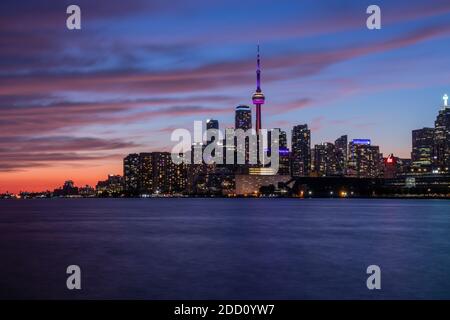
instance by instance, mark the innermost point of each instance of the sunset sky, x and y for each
(74, 103)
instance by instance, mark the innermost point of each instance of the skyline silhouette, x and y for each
(72, 104)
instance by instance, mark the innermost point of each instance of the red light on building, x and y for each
(390, 159)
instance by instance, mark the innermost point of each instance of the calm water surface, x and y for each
(225, 248)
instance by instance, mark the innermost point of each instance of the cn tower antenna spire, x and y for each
(258, 97)
(258, 72)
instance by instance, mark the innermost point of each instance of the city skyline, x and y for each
(74, 116)
(148, 173)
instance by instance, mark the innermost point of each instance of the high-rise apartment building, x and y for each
(243, 117)
(441, 157)
(301, 151)
(340, 147)
(153, 172)
(325, 163)
(131, 173)
(422, 150)
(364, 159)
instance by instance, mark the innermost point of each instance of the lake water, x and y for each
(225, 248)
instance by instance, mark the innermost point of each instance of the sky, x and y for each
(73, 103)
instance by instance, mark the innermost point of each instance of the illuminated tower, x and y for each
(258, 97)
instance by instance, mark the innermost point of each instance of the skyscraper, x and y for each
(243, 117)
(167, 176)
(243, 121)
(212, 130)
(283, 165)
(441, 159)
(197, 153)
(145, 173)
(282, 139)
(422, 150)
(153, 172)
(325, 163)
(301, 151)
(364, 159)
(230, 148)
(131, 173)
(212, 133)
(340, 147)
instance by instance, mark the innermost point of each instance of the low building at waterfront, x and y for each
(251, 184)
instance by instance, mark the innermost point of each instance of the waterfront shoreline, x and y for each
(412, 197)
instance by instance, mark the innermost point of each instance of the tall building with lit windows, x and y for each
(283, 151)
(301, 151)
(422, 150)
(212, 133)
(146, 173)
(441, 158)
(153, 172)
(284, 166)
(212, 130)
(431, 146)
(325, 163)
(131, 174)
(243, 117)
(364, 159)
(340, 147)
(243, 121)
(168, 177)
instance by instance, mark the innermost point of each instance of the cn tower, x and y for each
(258, 97)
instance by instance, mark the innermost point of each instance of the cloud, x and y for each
(207, 76)
(20, 152)
(29, 117)
(292, 106)
(317, 123)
